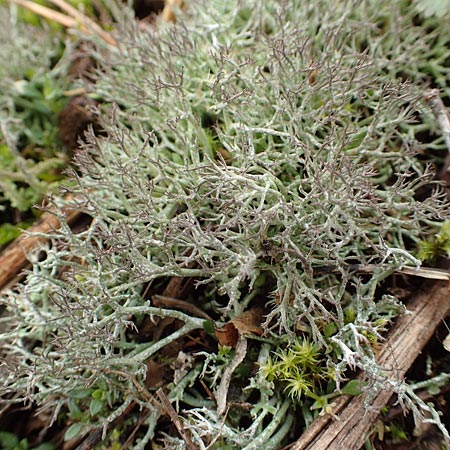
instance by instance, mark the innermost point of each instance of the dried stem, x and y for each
(175, 419)
(76, 20)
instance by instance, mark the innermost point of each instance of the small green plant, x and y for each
(9, 441)
(32, 86)
(438, 245)
(299, 367)
(300, 370)
(392, 433)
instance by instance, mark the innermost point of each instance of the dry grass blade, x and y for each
(433, 98)
(89, 23)
(78, 20)
(48, 13)
(222, 391)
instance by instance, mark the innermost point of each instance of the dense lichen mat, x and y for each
(249, 157)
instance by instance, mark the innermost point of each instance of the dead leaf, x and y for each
(168, 13)
(227, 335)
(155, 374)
(247, 323)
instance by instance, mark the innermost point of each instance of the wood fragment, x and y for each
(14, 258)
(404, 343)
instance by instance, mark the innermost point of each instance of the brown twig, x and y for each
(14, 258)
(175, 303)
(175, 419)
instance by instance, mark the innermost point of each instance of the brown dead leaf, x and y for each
(227, 335)
(74, 119)
(312, 76)
(155, 374)
(168, 13)
(247, 323)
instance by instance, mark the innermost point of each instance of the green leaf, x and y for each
(8, 440)
(208, 326)
(98, 394)
(96, 406)
(75, 412)
(45, 446)
(23, 445)
(356, 140)
(73, 431)
(353, 387)
(330, 329)
(6, 156)
(320, 403)
(81, 393)
(8, 232)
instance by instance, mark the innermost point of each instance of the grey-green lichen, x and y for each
(247, 148)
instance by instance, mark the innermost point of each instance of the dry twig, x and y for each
(175, 303)
(175, 419)
(74, 20)
(14, 258)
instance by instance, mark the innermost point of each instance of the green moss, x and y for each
(437, 246)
